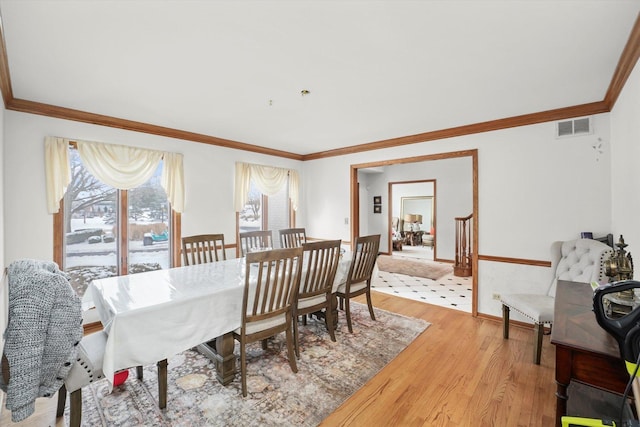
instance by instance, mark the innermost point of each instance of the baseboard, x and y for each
(511, 321)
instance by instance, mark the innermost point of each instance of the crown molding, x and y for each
(509, 122)
(627, 61)
(115, 122)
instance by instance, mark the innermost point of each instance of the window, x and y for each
(107, 232)
(262, 212)
(265, 198)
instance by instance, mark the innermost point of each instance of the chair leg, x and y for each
(243, 366)
(537, 344)
(347, 312)
(296, 336)
(139, 372)
(162, 384)
(62, 400)
(505, 321)
(329, 322)
(373, 316)
(290, 351)
(75, 408)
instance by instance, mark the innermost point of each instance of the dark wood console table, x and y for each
(413, 238)
(584, 351)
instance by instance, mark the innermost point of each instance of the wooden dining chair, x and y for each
(255, 239)
(270, 292)
(316, 285)
(203, 248)
(292, 237)
(359, 277)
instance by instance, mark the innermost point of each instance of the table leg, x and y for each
(563, 378)
(320, 315)
(220, 351)
(162, 383)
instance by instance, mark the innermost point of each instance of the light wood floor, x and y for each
(459, 372)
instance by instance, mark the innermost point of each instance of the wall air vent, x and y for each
(574, 127)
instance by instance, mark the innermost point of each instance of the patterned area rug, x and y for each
(427, 269)
(328, 373)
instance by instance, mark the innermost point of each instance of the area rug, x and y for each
(328, 373)
(422, 268)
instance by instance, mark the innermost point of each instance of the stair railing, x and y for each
(462, 266)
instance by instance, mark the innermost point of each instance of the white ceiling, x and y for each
(375, 69)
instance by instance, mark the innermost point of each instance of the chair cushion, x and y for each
(538, 308)
(354, 287)
(88, 366)
(311, 301)
(262, 325)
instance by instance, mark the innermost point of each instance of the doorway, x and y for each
(443, 230)
(413, 222)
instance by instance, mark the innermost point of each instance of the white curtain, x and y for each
(173, 180)
(268, 179)
(57, 170)
(119, 166)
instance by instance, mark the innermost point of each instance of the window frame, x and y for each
(265, 218)
(58, 237)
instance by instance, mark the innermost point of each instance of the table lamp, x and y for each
(417, 222)
(413, 220)
(408, 222)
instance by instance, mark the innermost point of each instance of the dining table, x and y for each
(154, 315)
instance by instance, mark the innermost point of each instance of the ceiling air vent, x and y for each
(574, 127)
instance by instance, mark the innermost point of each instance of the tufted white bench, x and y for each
(579, 260)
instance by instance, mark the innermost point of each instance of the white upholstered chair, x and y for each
(579, 260)
(87, 369)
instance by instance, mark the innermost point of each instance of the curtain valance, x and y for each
(268, 179)
(119, 166)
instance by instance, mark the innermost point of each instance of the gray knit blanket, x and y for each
(44, 329)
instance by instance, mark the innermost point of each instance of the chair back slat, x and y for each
(255, 240)
(273, 287)
(322, 259)
(292, 237)
(203, 248)
(364, 259)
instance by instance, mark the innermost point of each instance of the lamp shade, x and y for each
(418, 219)
(410, 218)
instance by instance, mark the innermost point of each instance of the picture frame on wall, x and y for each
(377, 208)
(377, 200)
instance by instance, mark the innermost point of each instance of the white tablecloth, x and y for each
(154, 315)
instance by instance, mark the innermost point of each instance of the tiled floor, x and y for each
(448, 291)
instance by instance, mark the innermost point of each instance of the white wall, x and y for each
(209, 180)
(625, 160)
(533, 189)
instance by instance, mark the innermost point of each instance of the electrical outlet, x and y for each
(496, 296)
(346, 221)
